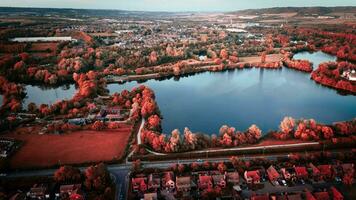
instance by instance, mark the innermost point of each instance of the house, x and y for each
(232, 178)
(69, 189)
(139, 184)
(296, 196)
(252, 176)
(286, 174)
(168, 181)
(309, 195)
(260, 197)
(336, 194)
(205, 181)
(219, 180)
(321, 195)
(315, 171)
(348, 168)
(154, 182)
(150, 196)
(272, 173)
(325, 171)
(183, 183)
(301, 172)
(38, 192)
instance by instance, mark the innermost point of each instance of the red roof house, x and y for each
(205, 182)
(252, 176)
(336, 194)
(321, 195)
(309, 196)
(272, 173)
(168, 181)
(139, 184)
(325, 170)
(260, 197)
(301, 172)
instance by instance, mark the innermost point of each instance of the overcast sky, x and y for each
(173, 5)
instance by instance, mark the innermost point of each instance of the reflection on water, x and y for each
(316, 58)
(238, 98)
(42, 95)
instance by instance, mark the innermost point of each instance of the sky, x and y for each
(173, 5)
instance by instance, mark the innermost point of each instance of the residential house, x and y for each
(139, 184)
(205, 181)
(272, 173)
(232, 178)
(150, 196)
(348, 168)
(325, 171)
(321, 195)
(301, 172)
(219, 180)
(286, 174)
(252, 176)
(336, 194)
(154, 182)
(315, 171)
(296, 196)
(38, 192)
(168, 181)
(69, 189)
(309, 195)
(183, 183)
(260, 197)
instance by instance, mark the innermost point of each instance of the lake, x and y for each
(206, 101)
(41, 95)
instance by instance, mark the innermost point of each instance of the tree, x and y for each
(255, 131)
(222, 168)
(67, 174)
(136, 165)
(190, 138)
(154, 122)
(263, 57)
(287, 125)
(32, 107)
(97, 178)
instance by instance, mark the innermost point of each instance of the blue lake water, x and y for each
(239, 98)
(40, 95)
(316, 57)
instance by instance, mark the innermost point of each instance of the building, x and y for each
(69, 189)
(325, 171)
(183, 183)
(150, 196)
(296, 196)
(301, 172)
(154, 182)
(219, 180)
(232, 178)
(336, 194)
(321, 195)
(272, 174)
(168, 181)
(309, 196)
(39, 192)
(315, 171)
(205, 181)
(252, 176)
(139, 184)
(260, 197)
(348, 168)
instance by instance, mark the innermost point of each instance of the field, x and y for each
(73, 148)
